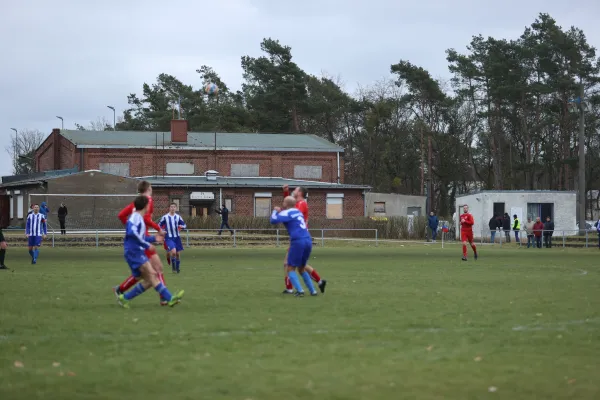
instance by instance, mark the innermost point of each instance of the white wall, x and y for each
(396, 205)
(481, 205)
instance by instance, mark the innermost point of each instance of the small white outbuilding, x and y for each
(561, 206)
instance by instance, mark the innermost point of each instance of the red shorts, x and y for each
(149, 253)
(466, 236)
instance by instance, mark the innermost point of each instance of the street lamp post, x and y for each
(578, 105)
(62, 122)
(114, 117)
(16, 148)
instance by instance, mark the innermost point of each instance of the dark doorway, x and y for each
(499, 209)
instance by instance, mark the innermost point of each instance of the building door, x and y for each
(201, 209)
(4, 211)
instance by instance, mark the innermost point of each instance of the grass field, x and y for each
(410, 322)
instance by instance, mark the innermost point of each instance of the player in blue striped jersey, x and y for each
(135, 244)
(172, 223)
(35, 230)
(300, 244)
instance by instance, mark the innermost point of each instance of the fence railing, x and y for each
(541, 238)
(192, 237)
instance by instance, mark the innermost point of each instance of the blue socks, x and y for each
(295, 281)
(136, 291)
(163, 291)
(175, 264)
(308, 282)
(34, 254)
(178, 262)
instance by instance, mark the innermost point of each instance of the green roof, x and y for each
(202, 141)
(227, 181)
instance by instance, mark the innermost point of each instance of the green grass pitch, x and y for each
(411, 322)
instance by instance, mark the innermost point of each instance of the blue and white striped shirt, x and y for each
(135, 240)
(36, 225)
(171, 223)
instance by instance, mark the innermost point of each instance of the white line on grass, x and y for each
(558, 326)
(583, 272)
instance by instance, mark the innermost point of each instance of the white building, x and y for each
(394, 205)
(561, 206)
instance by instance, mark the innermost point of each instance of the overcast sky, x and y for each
(72, 58)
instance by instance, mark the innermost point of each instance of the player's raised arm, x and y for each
(125, 213)
(286, 191)
(280, 217)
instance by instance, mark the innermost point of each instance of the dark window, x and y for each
(499, 208)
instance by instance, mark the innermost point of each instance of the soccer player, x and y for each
(144, 189)
(136, 244)
(35, 230)
(299, 194)
(466, 232)
(3, 247)
(172, 223)
(300, 244)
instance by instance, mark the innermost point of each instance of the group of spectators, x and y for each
(534, 230)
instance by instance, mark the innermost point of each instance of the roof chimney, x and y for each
(179, 131)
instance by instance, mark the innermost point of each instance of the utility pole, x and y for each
(578, 105)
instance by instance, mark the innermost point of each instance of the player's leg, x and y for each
(150, 279)
(463, 238)
(289, 288)
(173, 256)
(316, 277)
(178, 250)
(168, 256)
(2, 255)
(307, 248)
(472, 243)
(294, 260)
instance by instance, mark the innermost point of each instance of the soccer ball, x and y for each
(211, 88)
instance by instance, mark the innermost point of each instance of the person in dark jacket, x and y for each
(62, 216)
(433, 223)
(493, 225)
(506, 227)
(224, 219)
(548, 232)
(3, 247)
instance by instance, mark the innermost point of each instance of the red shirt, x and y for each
(301, 205)
(127, 211)
(538, 227)
(466, 222)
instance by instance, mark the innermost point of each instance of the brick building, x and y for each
(197, 170)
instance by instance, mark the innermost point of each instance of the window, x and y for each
(178, 168)
(335, 206)
(541, 210)
(229, 205)
(121, 169)
(499, 209)
(414, 211)
(12, 206)
(245, 170)
(20, 206)
(262, 206)
(379, 207)
(308, 171)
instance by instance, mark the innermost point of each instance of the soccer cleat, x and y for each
(287, 292)
(3, 267)
(164, 302)
(123, 302)
(322, 285)
(314, 294)
(299, 294)
(464, 258)
(476, 256)
(117, 293)
(176, 298)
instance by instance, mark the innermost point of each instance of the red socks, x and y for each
(288, 284)
(474, 248)
(127, 284)
(315, 276)
(169, 259)
(464, 250)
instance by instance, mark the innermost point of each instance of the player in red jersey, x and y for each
(466, 232)
(300, 195)
(144, 188)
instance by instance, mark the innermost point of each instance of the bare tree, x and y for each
(22, 150)
(99, 124)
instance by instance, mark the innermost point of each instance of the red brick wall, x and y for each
(243, 200)
(56, 153)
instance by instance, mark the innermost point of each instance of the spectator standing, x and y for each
(62, 216)
(3, 247)
(516, 228)
(529, 230)
(224, 219)
(433, 225)
(44, 210)
(538, 227)
(548, 232)
(506, 227)
(493, 225)
(597, 225)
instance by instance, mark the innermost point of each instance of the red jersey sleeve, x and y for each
(470, 220)
(148, 216)
(126, 212)
(286, 193)
(303, 208)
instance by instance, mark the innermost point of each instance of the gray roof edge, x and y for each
(163, 181)
(519, 192)
(332, 149)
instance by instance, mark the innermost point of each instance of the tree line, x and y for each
(501, 122)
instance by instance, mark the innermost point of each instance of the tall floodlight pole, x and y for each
(16, 148)
(62, 122)
(579, 105)
(114, 117)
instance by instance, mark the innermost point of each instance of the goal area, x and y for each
(84, 211)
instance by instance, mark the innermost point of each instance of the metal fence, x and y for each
(553, 238)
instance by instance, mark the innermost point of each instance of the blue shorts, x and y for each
(135, 260)
(174, 243)
(34, 241)
(299, 252)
